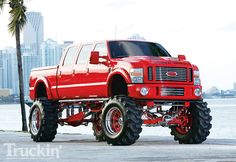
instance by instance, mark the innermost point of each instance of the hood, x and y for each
(152, 60)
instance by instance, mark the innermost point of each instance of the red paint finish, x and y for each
(90, 80)
(185, 121)
(152, 121)
(182, 121)
(154, 91)
(74, 120)
(115, 117)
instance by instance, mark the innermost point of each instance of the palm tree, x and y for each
(17, 21)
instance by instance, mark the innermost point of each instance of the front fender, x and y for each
(122, 72)
(47, 85)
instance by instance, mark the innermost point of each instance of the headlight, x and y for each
(198, 92)
(196, 78)
(196, 73)
(197, 81)
(136, 75)
(144, 91)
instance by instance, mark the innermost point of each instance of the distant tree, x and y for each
(17, 22)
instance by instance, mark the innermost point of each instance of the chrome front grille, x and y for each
(171, 74)
(165, 91)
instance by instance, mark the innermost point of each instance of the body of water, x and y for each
(223, 112)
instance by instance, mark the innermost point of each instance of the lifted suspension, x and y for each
(166, 114)
(78, 113)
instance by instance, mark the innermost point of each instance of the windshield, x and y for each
(120, 49)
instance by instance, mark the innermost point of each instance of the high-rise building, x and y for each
(1, 77)
(51, 53)
(1, 69)
(9, 70)
(29, 61)
(65, 45)
(234, 86)
(33, 36)
(33, 33)
(35, 52)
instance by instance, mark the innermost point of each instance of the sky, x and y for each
(203, 30)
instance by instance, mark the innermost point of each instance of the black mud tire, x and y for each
(48, 118)
(97, 128)
(131, 121)
(201, 124)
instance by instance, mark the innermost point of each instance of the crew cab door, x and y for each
(80, 80)
(65, 73)
(98, 73)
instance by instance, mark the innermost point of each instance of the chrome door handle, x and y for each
(73, 73)
(59, 75)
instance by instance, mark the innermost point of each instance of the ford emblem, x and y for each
(171, 74)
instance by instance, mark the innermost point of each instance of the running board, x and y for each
(85, 100)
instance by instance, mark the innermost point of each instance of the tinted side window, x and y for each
(70, 56)
(84, 54)
(101, 47)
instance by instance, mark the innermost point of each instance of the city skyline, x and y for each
(50, 54)
(35, 53)
(204, 31)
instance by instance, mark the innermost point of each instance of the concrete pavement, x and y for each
(17, 146)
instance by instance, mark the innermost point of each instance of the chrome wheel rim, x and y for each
(35, 121)
(114, 121)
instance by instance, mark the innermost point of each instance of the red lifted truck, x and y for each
(119, 86)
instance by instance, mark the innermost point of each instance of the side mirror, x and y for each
(181, 57)
(94, 57)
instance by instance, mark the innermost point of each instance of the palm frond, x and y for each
(17, 16)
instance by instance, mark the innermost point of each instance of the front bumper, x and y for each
(163, 92)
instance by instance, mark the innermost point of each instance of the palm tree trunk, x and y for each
(20, 74)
